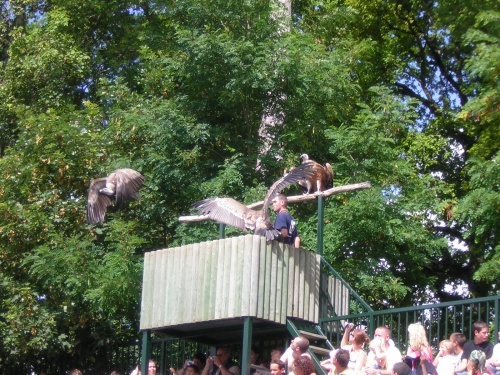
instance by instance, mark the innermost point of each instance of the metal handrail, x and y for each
(440, 320)
(352, 293)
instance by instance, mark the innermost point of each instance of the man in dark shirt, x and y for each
(480, 342)
(284, 223)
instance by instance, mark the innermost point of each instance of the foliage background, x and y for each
(404, 94)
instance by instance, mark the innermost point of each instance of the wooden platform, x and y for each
(198, 290)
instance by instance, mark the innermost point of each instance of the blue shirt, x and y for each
(285, 220)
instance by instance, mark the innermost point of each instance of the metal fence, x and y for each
(112, 357)
(440, 320)
(172, 352)
(340, 301)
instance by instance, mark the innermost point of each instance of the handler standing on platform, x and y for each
(285, 223)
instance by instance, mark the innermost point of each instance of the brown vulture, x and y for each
(322, 178)
(231, 212)
(122, 185)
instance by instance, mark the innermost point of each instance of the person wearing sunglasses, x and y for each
(221, 364)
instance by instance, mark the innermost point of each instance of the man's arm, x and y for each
(208, 366)
(287, 358)
(347, 332)
(489, 353)
(287, 354)
(297, 242)
(462, 366)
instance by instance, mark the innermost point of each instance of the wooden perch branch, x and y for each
(292, 199)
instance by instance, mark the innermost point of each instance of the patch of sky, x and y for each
(391, 193)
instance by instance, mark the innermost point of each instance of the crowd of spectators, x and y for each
(357, 355)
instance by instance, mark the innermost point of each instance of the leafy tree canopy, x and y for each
(403, 94)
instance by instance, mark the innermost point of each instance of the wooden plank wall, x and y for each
(338, 295)
(229, 278)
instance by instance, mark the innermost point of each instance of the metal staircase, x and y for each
(319, 346)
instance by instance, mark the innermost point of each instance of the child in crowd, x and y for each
(445, 362)
(476, 363)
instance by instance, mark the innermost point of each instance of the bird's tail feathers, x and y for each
(270, 233)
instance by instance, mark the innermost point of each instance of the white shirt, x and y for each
(495, 357)
(447, 364)
(392, 356)
(288, 359)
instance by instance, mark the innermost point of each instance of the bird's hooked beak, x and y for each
(107, 191)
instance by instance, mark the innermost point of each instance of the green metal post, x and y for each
(321, 220)
(222, 231)
(497, 318)
(145, 351)
(246, 345)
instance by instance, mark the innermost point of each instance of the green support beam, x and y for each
(145, 351)
(321, 221)
(247, 343)
(222, 231)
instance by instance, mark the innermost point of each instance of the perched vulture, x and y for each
(322, 178)
(122, 184)
(233, 213)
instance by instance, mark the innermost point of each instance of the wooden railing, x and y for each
(230, 278)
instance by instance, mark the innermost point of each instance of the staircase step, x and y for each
(311, 335)
(321, 351)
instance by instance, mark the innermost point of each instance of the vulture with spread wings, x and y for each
(231, 212)
(122, 185)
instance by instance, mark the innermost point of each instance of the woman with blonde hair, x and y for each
(418, 344)
(353, 341)
(419, 351)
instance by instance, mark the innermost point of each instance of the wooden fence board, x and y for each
(228, 278)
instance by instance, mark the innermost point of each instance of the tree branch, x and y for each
(292, 199)
(405, 90)
(453, 233)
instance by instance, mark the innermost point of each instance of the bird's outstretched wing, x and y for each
(231, 212)
(301, 172)
(97, 203)
(128, 183)
(123, 184)
(223, 210)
